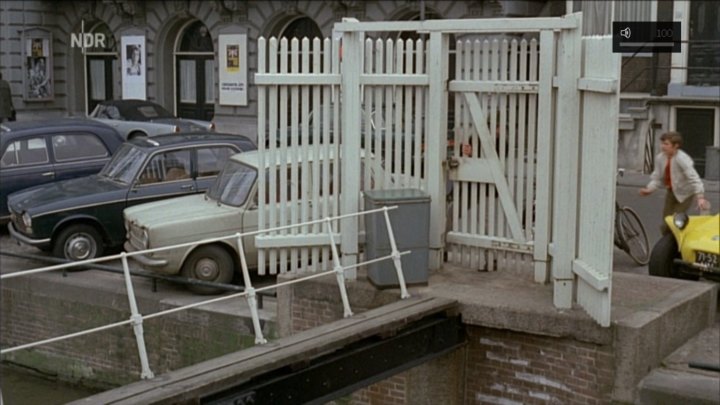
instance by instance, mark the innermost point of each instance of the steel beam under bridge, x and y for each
(305, 368)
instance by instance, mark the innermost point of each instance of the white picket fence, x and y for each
(298, 116)
(383, 105)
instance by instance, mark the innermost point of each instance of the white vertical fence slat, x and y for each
(512, 161)
(397, 122)
(316, 140)
(283, 167)
(471, 59)
(272, 155)
(262, 137)
(294, 151)
(367, 124)
(328, 173)
(305, 185)
(421, 117)
(593, 265)
(532, 135)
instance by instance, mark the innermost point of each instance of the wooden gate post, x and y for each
(565, 177)
(351, 68)
(437, 142)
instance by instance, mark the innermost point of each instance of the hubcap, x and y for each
(206, 269)
(80, 247)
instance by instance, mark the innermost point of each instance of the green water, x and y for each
(24, 387)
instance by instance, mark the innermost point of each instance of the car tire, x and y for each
(662, 256)
(208, 263)
(78, 242)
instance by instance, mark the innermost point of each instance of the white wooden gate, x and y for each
(516, 107)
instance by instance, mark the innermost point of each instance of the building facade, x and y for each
(63, 60)
(86, 48)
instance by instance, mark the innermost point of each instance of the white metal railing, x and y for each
(136, 318)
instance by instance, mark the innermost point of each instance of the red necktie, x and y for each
(668, 182)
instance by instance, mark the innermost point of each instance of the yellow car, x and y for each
(691, 251)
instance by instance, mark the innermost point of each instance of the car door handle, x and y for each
(48, 174)
(187, 187)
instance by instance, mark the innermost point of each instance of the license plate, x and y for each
(705, 259)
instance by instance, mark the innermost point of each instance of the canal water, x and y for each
(23, 387)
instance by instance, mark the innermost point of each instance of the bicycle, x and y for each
(630, 235)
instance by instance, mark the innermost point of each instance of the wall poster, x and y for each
(233, 69)
(133, 67)
(38, 77)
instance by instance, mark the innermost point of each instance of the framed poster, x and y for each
(233, 69)
(38, 66)
(133, 67)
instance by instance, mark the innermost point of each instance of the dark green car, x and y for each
(79, 219)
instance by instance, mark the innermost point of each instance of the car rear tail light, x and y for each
(177, 128)
(212, 126)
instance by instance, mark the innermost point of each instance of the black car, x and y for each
(39, 152)
(78, 219)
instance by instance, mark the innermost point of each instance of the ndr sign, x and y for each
(87, 40)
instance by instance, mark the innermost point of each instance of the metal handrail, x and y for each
(136, 319)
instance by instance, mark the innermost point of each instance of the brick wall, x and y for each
(506, 366)
(33, 310)
(496, 366)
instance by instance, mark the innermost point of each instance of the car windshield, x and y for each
(233, 184)
(125, 164)
(146, 112)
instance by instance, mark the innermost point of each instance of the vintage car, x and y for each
(691, 250)
(39, 152)
(144, 118)
(79, 219)
(228, 207)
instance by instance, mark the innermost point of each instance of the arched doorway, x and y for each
(194, 70)
(301, 27)
(100, 63)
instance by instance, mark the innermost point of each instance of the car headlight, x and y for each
(681, 220)
(27, 221)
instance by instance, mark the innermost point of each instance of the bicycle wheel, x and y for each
(633, 235)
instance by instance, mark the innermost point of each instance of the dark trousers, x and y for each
(673, 206)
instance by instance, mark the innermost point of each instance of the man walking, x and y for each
(674, 170)
(6, 105)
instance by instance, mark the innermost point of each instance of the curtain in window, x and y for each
(596, 16)
(187, 81)
(97, 79)
(633, 10)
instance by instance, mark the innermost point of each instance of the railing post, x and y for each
(252, 302)
(339, 272)
(396, 256)
(137, 321)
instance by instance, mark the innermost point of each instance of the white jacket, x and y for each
(684, 179)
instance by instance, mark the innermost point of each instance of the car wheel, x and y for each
(208, 263)
(662, 256)
(78, 242)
